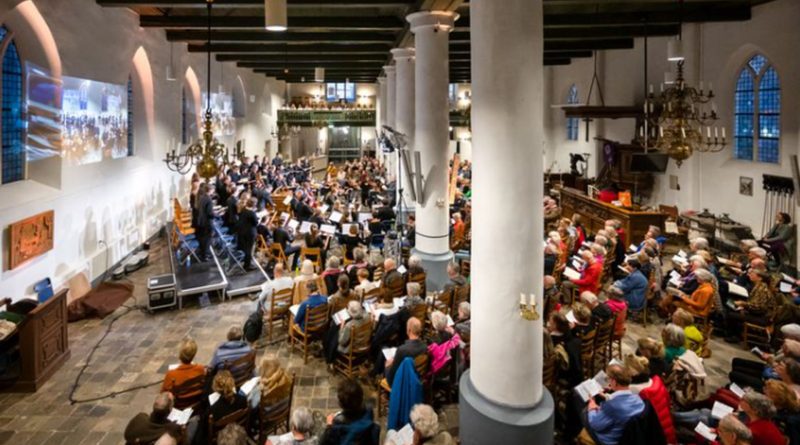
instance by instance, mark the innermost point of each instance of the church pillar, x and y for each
(404, 122)
(502, 399)
(380, 118)
(431, 138)
(391, 113)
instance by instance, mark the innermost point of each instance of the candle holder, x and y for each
(528, 311)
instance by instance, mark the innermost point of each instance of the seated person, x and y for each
(617, 302)
(550, 258)
(301, 425)
(787, 406)
(306, 275)
(751, 373)
(412, 347)
(454, 274)
(274, 385)
(759, 308)
(463, 325)
(700, 302)
(331, 274)
(732, 431)
(230, 400)
(583, 320)
(600, 311)
(780, 236)
(313, 300)
(653, 389)
(552, 296)
(351, 241)
(364, 284)
(390, 273)
(760, 411)
(439, 323)
(230, 350)
(415, 266)
(279, 282)
(567, 349)
(148, 428)
(694, 338)
(590, 275)
(633, 286)
(186, 370)
(653, 351)
(674, 343)
(358, 318)
(413, 297)
(359, 262)
(604, 423)
(426, 427)
(343, 294)
(354, 423)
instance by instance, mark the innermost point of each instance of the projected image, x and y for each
(43, 102)
(95, 124)
(224, 123)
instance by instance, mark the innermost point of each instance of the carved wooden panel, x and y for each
(30, 238)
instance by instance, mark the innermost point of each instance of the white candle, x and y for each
(723, 132)
(662, 87)
(683, 133)
(641, 132)
(661, 131)
(533, 300)
(522, 299)
(708, 132)
(651, 88)
(716, 132)
(645, 107)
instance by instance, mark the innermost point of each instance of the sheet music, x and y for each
(399, 302)
(571, 317)
(720, 410)
(450, 322)
(788, 278)
(293, 223)
(736, 389)
(785, 287)
(703, 430)
(212, 398)
(572, 273)
(405, 436)
(336, 217)
(305, 227)
(328, 229)
(737, 290)
(341, 316)
(324, 208)
(389, 353)
(364, 217)
(633, 248)
(287, 200)
(180, 417)
(682, 254)
(402, 270)
(588, 389)
(677, 259)
(294, 309)
(249, 386)
(671, 227)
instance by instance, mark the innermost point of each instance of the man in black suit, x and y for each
(412, 347)
(203, 222)
(390, 273)
(232, 212)
(282, 237)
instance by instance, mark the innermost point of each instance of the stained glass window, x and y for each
(757, 108)
(341, 90)
(572, 122)
(12, 159)
(130, 116)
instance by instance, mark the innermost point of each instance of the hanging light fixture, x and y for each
(675, 46)
(207, 154)
(319, 74)
(275, 15)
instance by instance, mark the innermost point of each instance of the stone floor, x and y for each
(140, 347)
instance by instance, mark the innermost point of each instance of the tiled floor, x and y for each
(138, 350)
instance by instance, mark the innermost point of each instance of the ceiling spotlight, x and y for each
(275, 16)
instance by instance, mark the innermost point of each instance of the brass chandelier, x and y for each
(207, 154)
(679, 122)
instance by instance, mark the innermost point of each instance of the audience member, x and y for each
(186, 370)
(147, 428)
(230, 350)
(353, 424)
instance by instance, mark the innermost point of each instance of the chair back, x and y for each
(280, 303)
(460, 295)
(466, 268)
(214, 425)
(395, 289)
(444, 300)
(604, 333)
(314, 254)
(549, 374)
(316, 319)
(375, 294)
(360, 339)
(377, 273)
(261, 244)
(420, 312)
(242, 369)
(619, 323)
(276, 252)
(422, 365)
(587, 352)
(190, 393)
(419, 278)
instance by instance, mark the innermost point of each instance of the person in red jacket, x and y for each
(654, 390)
(589, 280)
(760, 410)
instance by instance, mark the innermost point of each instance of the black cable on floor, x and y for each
(72, 399)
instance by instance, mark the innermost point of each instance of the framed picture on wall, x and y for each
(745, 186)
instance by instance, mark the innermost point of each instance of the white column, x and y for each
(380, 110)
(391, 107)
(507, 176)
(404, 114)
(431, 130)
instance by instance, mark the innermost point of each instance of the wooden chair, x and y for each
(757, 335)
(276, 254)
(262, 246)
(419, 279)
(377, 274)
(587, 353)
(443, 301)
(316, 323)
(276, 417)
(602, 344)
(215, 426)
(549, 374)
(242, 369)
(278, 310)
(395, 289)
(466, 268)
(190, 393)
(420, 312)
(615, 346)
(314, 254)
(421, 366)
(375, 294)
(358, 351)
(460, 295)
(705, 326)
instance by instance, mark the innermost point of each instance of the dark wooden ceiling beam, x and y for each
(256, 4)
(380, 23)
(304, 58)
(297, 48)
(217, 36)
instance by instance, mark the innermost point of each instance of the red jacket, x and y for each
(766, 433)
(658, 396)
(590, 278)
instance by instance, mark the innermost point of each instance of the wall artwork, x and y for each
(745, 186)
(30, 238)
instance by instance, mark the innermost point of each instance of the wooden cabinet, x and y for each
(43, 343)
(595, 213)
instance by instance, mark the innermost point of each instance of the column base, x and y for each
(435, 266)
(482, 421)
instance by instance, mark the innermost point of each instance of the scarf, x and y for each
(276, 386)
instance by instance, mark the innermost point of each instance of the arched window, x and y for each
(757, 108)
(12, 157)
(130, 116)
(572, 122)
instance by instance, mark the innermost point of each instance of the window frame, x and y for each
(573, 123)
(756, 115)
(6, 41)
(344, 91)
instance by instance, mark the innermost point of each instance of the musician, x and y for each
(204, 211)
(231, 214)
(282, 237)
(246, 232)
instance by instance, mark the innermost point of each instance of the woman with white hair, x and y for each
(760, 410)
(443, 332)
(302, 425)
(426, 427)
(415, 266)
(733, 432)
(413, 298)
(306, 274)
(358, 318)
